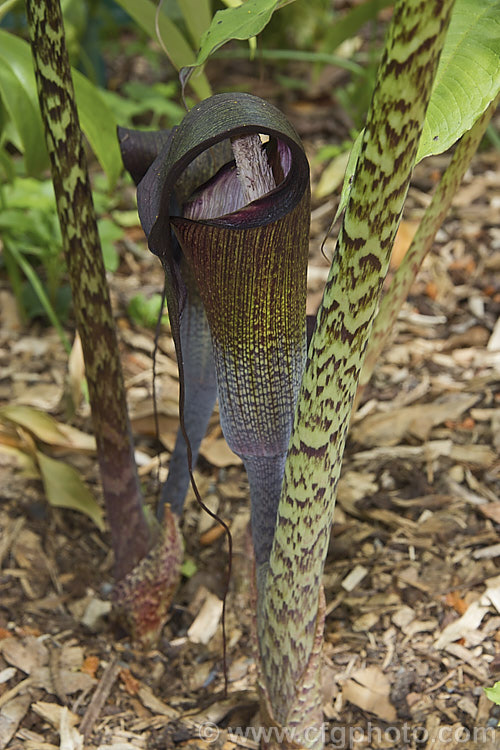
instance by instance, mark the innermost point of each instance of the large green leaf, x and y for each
(18, 91)
(243, 22)
(467, 81)
(468, 77)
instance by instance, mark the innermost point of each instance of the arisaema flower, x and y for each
(225, 206)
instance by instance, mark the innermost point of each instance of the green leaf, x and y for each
(493, 693)
(468, 77)
(27, 193)
(41, 294)
(143, 12)
(6, 7)
(145, 311)
(467, 81)
(6, 166)
(197, 16)
(19, 96)
(65, 489)
(99, 125)
(18, 91)
(110, 233)
(242, 22)
(188, 568)
(349, 174)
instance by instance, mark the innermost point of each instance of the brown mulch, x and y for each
(412, 580)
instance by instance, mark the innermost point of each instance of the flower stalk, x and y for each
(147, 556)
(248, 262)
(82, 250)
(289, 615)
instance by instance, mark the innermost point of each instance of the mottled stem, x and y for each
(288, 615)
(422, 243)
(129, 529)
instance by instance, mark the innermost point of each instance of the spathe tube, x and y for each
(250, 269)
(139, 150)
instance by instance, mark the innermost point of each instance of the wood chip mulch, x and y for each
(412, 579)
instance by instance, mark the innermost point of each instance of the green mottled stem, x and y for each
(422, 243)
(287, 623)
(129, 529)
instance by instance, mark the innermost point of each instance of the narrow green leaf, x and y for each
(6, 166)
(349, 173)
(65, 489)
(468, 77)
(143, 12)
(197, 16)
(295, 55)
(41, 294)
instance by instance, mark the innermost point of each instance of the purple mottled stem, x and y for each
(132, 539)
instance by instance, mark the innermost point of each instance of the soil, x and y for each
(412, 579)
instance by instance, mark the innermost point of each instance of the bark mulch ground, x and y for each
(412, 579)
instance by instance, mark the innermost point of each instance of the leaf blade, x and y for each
(242, 22)
(96, 118)
(99, 125)
(143, 12)
(47, 429)
(18, 91)
(468, 77)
